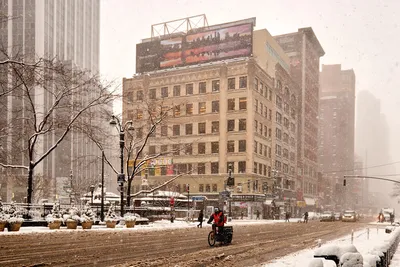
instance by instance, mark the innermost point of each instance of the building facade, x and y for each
(304, 51)
(336, 135)
(69, 32)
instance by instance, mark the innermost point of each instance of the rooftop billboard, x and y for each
(194, 48)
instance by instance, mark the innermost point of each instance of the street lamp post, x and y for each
(91, 194)
(121, 176)
(230, 182)
(102, 187)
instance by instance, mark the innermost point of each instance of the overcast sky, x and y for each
(360, 34)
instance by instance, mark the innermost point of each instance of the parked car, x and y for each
(327, 216)
(338, 216)
(349, 216)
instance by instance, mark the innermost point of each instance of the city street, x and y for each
(252, 244)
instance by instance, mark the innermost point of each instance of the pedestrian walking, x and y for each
(200, 219)
(287, 216)
(306, 217)
(258, 215)
(241, 215)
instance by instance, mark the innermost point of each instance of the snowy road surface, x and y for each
(253, 243)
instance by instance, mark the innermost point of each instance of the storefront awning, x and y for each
(309, 201)
(268, 201)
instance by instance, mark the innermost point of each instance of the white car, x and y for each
(327, 216)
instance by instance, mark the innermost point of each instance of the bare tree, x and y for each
(72, 98)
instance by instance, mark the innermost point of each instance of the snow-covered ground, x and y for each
(364, 240)
(158, 225)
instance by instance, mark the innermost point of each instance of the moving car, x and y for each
(327, 216)
(349, 216)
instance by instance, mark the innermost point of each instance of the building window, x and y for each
(215, 86)
(176, 130)
(270, 95)
(164, 130)
(278, 118)
(269, 152)
(214, 167)
(164, 92)
(265, 150)
(231, 104)
(202, 107)
(189, 129)
(243, 82)
(189, 109)
(152, 93)
(231, 125)
(201, 186)
(215, 106)
(189, 89)
(176, 149)
(261, 88)
(231, 83)
(188, 149)
(256, 84)
(215, 127)
(201, 148)
(260, 168)
(139, 114)
(278, 133)
(265, 131)
(231, 146)
(242, 145)
(278, 150)
(202, 127)
(255, 126)
(243, 103)
(177, 90)
(242, 124)
(214, 187)
(139, 133)
(164, 148)
(266, 112)
(255, 146)
(201, 169)
(214, 147)
(255, 164)
(242, 167)
(152, 150)
(208, 188)
(270, 115)
(256, 105)
(278, 101)
(139, 95)
(202, 87)
(177, 111)
(269, 132)
(231, 165)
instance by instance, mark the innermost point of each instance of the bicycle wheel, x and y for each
(211, 239)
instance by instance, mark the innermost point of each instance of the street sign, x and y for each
(198, 198)
(224, 194)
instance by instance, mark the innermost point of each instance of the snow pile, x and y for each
(336, 250)
(318, 262)
(350, 259)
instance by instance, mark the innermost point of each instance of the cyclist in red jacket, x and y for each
(219, 220)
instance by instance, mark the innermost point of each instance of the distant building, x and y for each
(336, 131)
(372, 145)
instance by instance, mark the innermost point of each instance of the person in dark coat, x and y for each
(306, 217)
(200, 219)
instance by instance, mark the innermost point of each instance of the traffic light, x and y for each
(230, 181)
(344, 182)
(187, 188)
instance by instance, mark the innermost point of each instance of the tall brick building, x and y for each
(304, 51)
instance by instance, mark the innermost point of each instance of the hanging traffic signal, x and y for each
(344, 182)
